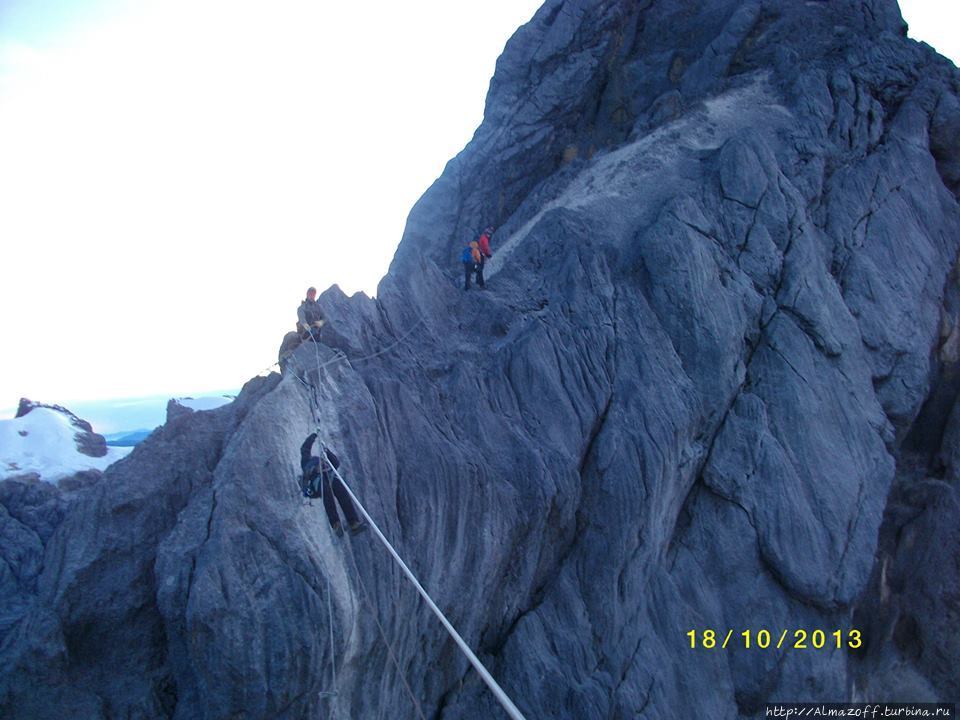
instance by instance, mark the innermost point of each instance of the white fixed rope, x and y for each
(495, 688)
(485, 675)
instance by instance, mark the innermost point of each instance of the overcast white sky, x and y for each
(174, 173)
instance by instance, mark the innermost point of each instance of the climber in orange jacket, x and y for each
(472, 259)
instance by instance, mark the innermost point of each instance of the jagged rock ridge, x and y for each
(713, 385)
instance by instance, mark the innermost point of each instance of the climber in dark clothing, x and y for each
(309, 316)
(320, 481)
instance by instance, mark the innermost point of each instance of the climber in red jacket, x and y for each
(483, 245)
(484, 242)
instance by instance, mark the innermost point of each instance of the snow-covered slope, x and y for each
(44, 442)
(204, 403)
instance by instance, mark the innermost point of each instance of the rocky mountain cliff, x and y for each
(711, 385)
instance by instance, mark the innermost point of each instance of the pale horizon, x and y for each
(181, 173)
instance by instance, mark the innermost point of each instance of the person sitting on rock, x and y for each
(483, 245)
(316, 461)
(309, 316)
(471, 264)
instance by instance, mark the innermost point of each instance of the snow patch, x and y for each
(43, 442)
(204, 403)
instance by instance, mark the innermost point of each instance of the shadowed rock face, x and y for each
(712, 385)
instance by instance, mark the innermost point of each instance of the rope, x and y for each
(367, 598)
(399, 340)
(333, 654)
(383, 635)
(342, 357)
(485, 675)
(333, 659)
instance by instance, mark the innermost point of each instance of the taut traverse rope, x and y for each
(485, 675)
(498, 692)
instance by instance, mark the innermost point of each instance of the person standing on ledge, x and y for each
(483, 245)
(309, 316)
(471, 258)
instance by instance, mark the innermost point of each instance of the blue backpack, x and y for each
(467, 255)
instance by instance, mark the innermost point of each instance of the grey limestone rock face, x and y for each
(712, 384)
(30, 511)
